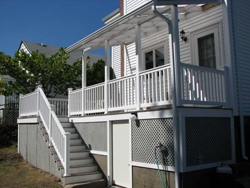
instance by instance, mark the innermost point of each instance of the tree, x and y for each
(30, 70)
(53, 73)
(96, 73)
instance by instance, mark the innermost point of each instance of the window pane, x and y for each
(207, 51)
(149, 60)
(159, 56)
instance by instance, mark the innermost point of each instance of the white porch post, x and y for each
(176, 89)
(138, 64)
(176, 48)
(107, 75)
(84, 76)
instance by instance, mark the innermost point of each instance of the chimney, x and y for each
(121, 8)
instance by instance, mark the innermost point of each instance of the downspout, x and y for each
(175, 113)
(242, 129)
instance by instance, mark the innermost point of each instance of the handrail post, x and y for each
(69, 93)
(51, 108)
(226, 85)
(84, 79)
(138, 65)
(107, 76)
(66, 154)
(20, 99)
(38, 98)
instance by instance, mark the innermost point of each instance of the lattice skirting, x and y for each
(208, 140)
(146, 134)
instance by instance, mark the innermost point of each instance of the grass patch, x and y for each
(16, 172)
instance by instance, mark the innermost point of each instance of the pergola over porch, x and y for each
(173, 84)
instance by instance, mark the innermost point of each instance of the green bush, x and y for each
(8, 135)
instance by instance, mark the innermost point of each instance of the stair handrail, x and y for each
(53, 127)
(42, 108)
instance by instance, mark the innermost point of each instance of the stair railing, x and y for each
(39, 105)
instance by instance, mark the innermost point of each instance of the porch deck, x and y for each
(198, 86)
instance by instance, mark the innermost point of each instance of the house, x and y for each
(178, 105)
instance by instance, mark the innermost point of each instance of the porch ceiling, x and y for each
(122, 30)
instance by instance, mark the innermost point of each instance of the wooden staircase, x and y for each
(82, 165)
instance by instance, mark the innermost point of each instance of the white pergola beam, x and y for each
(180, 2)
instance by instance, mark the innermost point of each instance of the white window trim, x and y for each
(153, 48)
(212, 29)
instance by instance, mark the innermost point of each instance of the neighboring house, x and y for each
(48, 50)
(183, 77)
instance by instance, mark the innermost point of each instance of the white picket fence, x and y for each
(36, 104)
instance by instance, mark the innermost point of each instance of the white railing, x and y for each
(94, 98)
(28, 104)
(122, 93)
(61, 106)
(38, 104)
(75, 102)
(201, 85)
(155, 87)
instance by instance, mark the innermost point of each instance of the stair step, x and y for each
(78, 154)
(66, 124)
(82, 177)
(74, 135)
(63, 119)
(73, 155)
(81, 161)
(80, 169)
(75, 141)
(77, 148)
(70, 129)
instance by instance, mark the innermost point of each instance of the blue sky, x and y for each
(53, 22)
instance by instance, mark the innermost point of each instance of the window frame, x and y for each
(194, 36)
(154, 48)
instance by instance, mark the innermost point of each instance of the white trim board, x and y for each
(98, 152)
(101, 118)
(28, 120)
(117, 117)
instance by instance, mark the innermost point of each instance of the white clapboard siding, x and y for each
(131, 5)
(116, 61)
(23, 47)
(130, 59)
(241, 25)
(194, 22)
(155, 40)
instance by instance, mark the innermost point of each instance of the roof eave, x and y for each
(104, 29)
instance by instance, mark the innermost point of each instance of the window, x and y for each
(207, 51)
(206, 48)
(154, 58)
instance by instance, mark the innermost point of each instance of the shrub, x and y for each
(8, 135)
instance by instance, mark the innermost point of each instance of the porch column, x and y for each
(84, 76)
(138, 64)
(177, 92)
(107, 75)
(176, 49)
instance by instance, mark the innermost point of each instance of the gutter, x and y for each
(174, 105)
